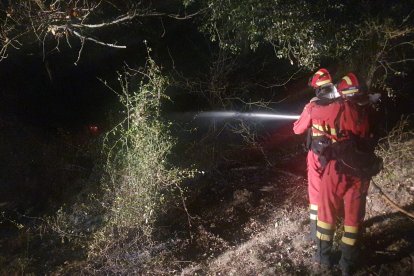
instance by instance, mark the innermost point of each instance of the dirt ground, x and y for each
(254, 221)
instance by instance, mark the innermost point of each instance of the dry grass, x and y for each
(397, 177)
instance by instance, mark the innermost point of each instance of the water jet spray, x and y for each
(246, 115)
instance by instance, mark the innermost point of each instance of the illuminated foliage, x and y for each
(306, 32)
(298, 30)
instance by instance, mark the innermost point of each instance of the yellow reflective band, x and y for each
(349, 91)
(323, 237)
(319, 127)
(313, 206)
(320, 83)
(347, 79)
(351, 229)
(348, 241)
(324, 129)
(319, 73)
(313, 217)
(325, 225)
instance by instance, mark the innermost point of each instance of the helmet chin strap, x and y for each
(335, 93)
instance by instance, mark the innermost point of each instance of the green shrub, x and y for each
(141, 185)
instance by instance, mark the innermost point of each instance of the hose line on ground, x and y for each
(392, 203)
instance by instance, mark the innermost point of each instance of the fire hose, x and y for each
(389, 201)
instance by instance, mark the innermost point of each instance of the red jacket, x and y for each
(335, 120)
(320, 118)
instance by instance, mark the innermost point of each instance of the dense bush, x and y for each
(141, 184)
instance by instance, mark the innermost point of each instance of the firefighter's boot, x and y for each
(325, 232)
(349, 257)
(323, 253)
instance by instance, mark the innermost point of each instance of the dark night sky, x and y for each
(54, 92)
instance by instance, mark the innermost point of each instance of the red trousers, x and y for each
(314, 177)
(339, 190)
(314, 182)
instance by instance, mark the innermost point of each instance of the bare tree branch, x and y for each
(78, 18)
(97, 41)
(285, 82)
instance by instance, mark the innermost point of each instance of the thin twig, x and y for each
(80, 51)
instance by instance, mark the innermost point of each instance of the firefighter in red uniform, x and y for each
(340, 187)
(326, 93)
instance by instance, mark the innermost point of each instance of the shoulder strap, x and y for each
(338, 119)
(309, 139)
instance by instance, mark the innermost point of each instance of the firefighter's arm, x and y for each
(304, 122)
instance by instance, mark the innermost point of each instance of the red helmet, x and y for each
(349, 85)
(321, 77)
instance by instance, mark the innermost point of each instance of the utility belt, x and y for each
(354, 156)
(320, 146)
(319, 137)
